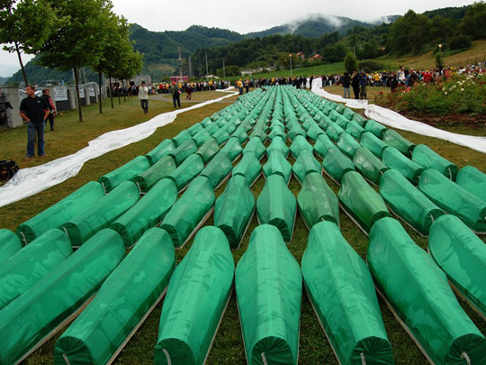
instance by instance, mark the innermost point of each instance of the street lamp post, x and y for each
(290, 56)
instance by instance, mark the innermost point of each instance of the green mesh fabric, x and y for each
(295, 131)
(208, 149)
(305, 164)
(240, 134)
(299, 144)
(182, 137)
(428, 306)
(373, 143)
(105, 323)
(314, 132)
(55, 216)
(217, 170)
(472, 180)
(348, 113)
(184, 150)
(369, 165)
(233, 209)
(317, 201)
(347, 144)
(322, 145)
(188, 170)
(125, 173)
(334, 131)
(359, 119)
(276, 205)
(396, 160)
(221, 136)
(160, 151)
(256, 146)
(29, 265)
(268, 285)
(394, 139)
(147, 212)
(427, 158)
(100, 214)
(355, 130)
(346, 303)
(189, 210)
(201, 137)
(198, 292)
(9, 244)
(454, 199)
(408, 202)
(161, 169)
(45, 305)
(277, 132)
(195, 129)
(232, 148)
(278, 144)
(462, 256)
(361, 200)
(249, 167)
(277, 164)
(337, 164)
(342, 121)
(374, 127)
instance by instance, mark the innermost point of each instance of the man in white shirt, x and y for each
(143, 93)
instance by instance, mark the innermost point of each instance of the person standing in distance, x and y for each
(143, 93)
(176, 95)
(52, 107)
(34, 112)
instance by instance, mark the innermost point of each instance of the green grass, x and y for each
(228, 346)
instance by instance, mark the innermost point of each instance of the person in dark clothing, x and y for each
(34, 111)
(363, 83)
(346, 81)
(393, 83)
(176, 95)
(355, 84)
(52, 107)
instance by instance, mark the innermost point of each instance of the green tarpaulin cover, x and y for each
(189, 210)
(359, 119)
(348, 113)
(472, 180)
(277, 132)
(202, 137)
(277, 164)
(100, 214)
(147, 212)
(208, 149)
(232, 148)
(454, 199)
(160, 151)
(196, 298)
(392, 138)
(103, 326)
(126, 172)
(462, 255)
(256, 146)
(161, 169)
(276, 205)
(427, 158)
(195, 128)
(342, 121)
(240, 134)
(373, 143)
(408, 202)
(188, 170)
(314, 132)
(268, 285)
(337, 164)
(322, 145)
(9, 244)
(221, 136)
(427, 305)
(278, 144)
(396, 160)
(347, 144)
(296, 130)
(305, 164)
(29, 265)
(71, 206)
(38, 311)
(369, 165)
(355, 130)
(343, 295)
(334, 131)
(217, 170)
(249, 166)
(182, 137)
(317, 201)
(299, 144)
(233, 209)
(184, 150)
(374, 127)
(361, 200)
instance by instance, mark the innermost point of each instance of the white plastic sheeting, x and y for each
(395, 120)
(30, 181)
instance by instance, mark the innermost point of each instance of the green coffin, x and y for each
(125, 173)
(249, 167)
(9, 244)
(277, 164)
(369, 165)
(305, 164)
(208, 149)
(161, 169)
(188, 170)
(396, 160)
(160, 151)
(427, 158)
(472, 180)
(373, 143)
(337, 164)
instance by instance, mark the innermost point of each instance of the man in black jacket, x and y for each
(355, 83)
(346, 81)
(34, 111)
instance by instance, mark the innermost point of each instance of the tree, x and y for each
(25, 25)
(78, 41)
(409, 33)
(350, 63)
(474, 20)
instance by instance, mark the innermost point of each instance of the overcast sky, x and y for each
(246, 15)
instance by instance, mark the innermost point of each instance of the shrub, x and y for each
(350, 63)
(370, 66)
(460, 41)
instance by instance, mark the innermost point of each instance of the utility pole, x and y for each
(190, 66)
(224, 70)
(180, 62)
(290, 55)
(207, 70)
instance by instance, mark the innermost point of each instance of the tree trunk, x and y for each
(100, 99)
(111, 94)
(76, 85)
(124, 91)
(21, 63)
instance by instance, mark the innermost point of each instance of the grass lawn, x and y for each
(228, 346)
